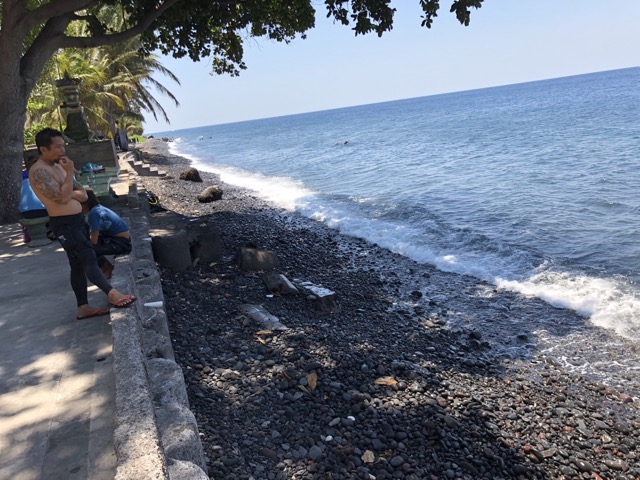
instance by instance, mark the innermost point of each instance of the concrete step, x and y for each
(146, 170)
(140, 166)
(156, 172)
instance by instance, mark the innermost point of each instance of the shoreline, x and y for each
(427, 329)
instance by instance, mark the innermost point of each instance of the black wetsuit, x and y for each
(73, 234)
(112, 246)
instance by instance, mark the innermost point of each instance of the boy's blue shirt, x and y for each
(106, 221)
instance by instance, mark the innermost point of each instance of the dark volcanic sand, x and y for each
(473, 394)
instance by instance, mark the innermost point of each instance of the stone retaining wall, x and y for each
(156, 434)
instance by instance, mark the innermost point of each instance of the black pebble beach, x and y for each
(421, 374)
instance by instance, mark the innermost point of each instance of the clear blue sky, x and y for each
(508, 41)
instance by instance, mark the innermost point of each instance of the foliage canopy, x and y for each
(32, 31)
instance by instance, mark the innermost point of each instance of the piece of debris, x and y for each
(279, 284)
(325, 299)
(264, 318)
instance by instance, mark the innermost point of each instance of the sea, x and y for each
(532, 187)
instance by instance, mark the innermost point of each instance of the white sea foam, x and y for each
(281, 191)
(176, 147)
(607, 302)
(493, 200)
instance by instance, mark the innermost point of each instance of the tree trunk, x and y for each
(13, 113)
(12, 119)
(19, 72)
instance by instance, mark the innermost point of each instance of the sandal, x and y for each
(96, 312)
(125, 302)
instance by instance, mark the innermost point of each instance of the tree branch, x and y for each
(95, 25)
(55, 8)
(42, 49)
(109, 39)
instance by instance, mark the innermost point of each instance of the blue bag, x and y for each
(28, 199)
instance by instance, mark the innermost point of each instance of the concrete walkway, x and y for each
(56, 378)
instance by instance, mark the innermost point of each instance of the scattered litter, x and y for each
(368, 457)
(389, 381)
(312, 380)
(264, 318)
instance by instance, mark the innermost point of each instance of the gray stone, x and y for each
(269, 453)
(615, 464)
(135, 438)
(190, 174)
(167, 382)
(324, 299)
(179, 434)
(179, 470)
(278, 283)
(262, 317)
(206, 242)
(156, 345)
(171, 249)
(250, 259)
(315, 452)
(210, 194)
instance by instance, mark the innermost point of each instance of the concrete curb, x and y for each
(156, 435)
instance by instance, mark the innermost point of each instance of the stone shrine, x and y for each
(77, 128)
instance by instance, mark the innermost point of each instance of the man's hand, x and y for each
(67, 164)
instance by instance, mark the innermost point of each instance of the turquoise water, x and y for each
(533, 187)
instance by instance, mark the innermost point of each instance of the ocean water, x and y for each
(533, 187)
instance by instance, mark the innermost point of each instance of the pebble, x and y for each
(464, 411)
(615, 464)
(315, 452)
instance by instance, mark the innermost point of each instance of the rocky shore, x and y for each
(418, 374)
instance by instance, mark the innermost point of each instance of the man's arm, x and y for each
(43, 182)
(78, 193)
(94, 237)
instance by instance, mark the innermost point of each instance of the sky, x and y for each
(508, 41)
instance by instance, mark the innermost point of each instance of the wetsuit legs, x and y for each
(78, 279)
(89, 263)
(73, 235)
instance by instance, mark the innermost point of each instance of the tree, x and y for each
(114, 83)
(31, 31)
(115, 80)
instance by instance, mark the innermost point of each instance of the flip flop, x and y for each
(96, 312)
(126, 302)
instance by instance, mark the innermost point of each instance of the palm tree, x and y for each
(42, 108)
(120, 91)
(116, 83)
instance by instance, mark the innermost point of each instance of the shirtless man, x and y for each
(52, 180)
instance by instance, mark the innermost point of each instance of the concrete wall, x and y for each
(101, 153)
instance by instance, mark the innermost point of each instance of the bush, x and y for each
(30, 133)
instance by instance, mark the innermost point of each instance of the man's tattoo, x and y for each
(45, 183)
